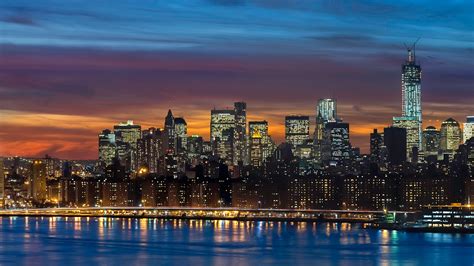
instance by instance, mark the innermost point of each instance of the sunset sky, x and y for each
(69, 69)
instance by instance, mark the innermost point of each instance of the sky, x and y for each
(69, 69)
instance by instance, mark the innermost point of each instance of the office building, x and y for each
(240, 133)
(394, 139)
(256, 149)
(450, 137)
(431, 141)
(412, 126)
(181, 132)
(150, 149)
(468, 129)
(127, 135)
(107, 149)
(335, 147)
(296, 130)
(267, 143)
(327, 109)
(37, 181)
(170, 139)
(376, 145)
(222, 134)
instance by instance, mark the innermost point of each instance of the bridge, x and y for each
(243, 214)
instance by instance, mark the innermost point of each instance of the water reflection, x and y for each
(136, 241)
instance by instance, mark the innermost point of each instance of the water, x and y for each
(79, 241)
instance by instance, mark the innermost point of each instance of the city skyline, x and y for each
(59, 88)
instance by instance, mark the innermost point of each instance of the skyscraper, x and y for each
(450, 136)
(222, 134)
(327, 109)
(296, 130)
(127, 135)
(170, 138)
(335, 147)
(107, 149)
(468, 131)
(181, 129)
(256, 149)
(267, 144)
(412, 126)
(240, 132)
(150, 148)
(411, 87)
(411, 96)
(376, 144)
(431, 140)
(38, 180)
(394, 139)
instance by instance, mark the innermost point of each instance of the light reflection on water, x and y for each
(77, 240)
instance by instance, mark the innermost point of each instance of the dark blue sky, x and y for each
(70, 68)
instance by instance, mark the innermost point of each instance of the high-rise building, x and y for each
(240, 133)
(170, 138)
(412, 126)
(267, 143)
(150, 148)
(222, 134)
(411, 97)
(431, 139)
(335, 147)
(181, 129)
(194, 148)
(468, 131)
(256, 149)
(411, 87)
(450, 138)
(296, 130)
(107, 149)
(38, 180)
(376, 144)
(327, 109)
(127, 135)
(394, 139)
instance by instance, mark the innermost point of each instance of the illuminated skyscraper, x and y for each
(38, 180)
(240, 132)
(411, 96)
(127, 135)
(256, 149)
(296, 130)
(450, 136)
(468, 131)
(181, 129)
(267, 144)
(411, 87)
(170, 138)
(335, 147)
(150, 148)
(107, 149)
(376, 144)
(431, 140)
(222, 134)
(327, 109)
(412, 126)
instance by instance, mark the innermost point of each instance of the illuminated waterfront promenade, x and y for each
(351, 216)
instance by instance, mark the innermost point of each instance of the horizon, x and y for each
(68, 71)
